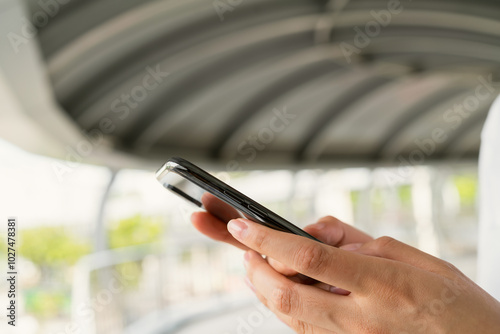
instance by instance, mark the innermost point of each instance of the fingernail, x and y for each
(249, 284)
(351, 247)
(237, 228)
(339, 291)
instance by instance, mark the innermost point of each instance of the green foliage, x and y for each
(49, 246)
(405, 196)
(54, 248)
(133, 231)
(378, 200)
(3, 246)
(136, 230)
(467, 186)
(355, 195)
(46, 303)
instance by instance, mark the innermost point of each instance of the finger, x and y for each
(347, 270)
(297, 325)
(214, 228)
(293, 275)
(218, 208)
(392, 249)
(296, 300)
(333, 232)
(281, 268)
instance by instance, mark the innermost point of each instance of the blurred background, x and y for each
(370, 111)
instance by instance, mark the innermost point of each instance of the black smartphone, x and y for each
(190, 182)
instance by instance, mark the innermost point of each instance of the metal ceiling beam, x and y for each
(415, 112)
(145, 36)
(454, 139)
(201, 50)
(347, 20)
(197, 81)
(336, 109)
(270, 40)
(229, 48)
(280, 69)
(265, 97)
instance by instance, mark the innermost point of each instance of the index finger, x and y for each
(319, 261)
(332, 232)
(214, 222)
(219, 208)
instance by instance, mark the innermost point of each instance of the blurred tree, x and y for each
(467, 187)
(47, 303)
(49, 246)
(405, 196)
(136, 230)
(53, 250)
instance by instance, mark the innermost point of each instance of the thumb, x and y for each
(389, 248)
(333, 232)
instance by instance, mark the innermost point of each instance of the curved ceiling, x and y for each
(276, 82)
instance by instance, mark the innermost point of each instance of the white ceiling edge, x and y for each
(30, 118)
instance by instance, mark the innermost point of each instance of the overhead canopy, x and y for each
(277, 82)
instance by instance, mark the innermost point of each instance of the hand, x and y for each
(332, 232)
(394, 288)
(213, 224)
(329, 230)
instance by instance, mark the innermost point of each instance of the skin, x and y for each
(365, 285)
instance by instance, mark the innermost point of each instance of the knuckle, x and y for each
(310, 259)
(282, 299)
(331, 220)
(259, 239)
(299, 326)
(333, 223)
(452, 271)
(385, 242)
(451, 267)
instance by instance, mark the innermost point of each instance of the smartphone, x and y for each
(190, 182)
